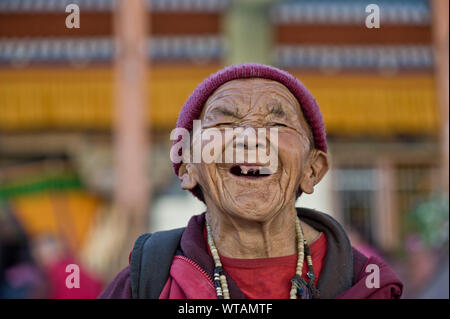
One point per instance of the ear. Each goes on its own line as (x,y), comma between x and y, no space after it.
(187,176)
(315,170)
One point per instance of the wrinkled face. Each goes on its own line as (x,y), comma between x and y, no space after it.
(246,189)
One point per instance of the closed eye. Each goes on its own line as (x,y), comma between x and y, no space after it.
(224,125)
(279,124)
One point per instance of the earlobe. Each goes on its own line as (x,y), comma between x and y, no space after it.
(307,182)
(316,169)
(187,177)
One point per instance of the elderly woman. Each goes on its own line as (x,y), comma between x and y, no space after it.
(252,242)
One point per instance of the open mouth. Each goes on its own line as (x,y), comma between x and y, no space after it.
(250,171)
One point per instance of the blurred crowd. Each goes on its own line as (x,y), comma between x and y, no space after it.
(37,267)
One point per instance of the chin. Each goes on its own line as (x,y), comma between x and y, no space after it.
(254,206)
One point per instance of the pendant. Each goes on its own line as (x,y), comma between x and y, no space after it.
(300,284)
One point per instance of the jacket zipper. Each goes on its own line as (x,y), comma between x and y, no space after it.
(200,269)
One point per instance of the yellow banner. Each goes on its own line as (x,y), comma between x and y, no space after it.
(82,99)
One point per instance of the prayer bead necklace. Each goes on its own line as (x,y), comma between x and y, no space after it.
(300,289)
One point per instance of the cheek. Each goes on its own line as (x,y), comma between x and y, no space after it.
(208,178)
(292,151)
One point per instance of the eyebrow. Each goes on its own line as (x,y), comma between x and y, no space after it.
(226,111)
(276,109)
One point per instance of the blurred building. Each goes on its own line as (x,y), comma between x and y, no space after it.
(375,87)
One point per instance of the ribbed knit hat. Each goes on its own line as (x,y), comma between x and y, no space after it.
(194,105)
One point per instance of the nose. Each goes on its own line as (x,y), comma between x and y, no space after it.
(249,139)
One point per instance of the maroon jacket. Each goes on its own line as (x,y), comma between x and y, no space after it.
(343,276)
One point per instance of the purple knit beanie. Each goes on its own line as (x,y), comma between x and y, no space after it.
(194,105)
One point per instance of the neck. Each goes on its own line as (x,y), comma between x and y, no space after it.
(237,237)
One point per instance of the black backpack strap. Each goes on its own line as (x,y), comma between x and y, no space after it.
(150,262)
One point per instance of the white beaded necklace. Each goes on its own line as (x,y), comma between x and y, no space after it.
(299,286)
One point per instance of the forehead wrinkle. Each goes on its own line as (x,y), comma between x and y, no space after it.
(284,94)
(224,102)
(226,90)
(285,97)
(241,89)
